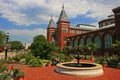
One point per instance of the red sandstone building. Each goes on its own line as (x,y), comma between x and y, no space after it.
(82,34)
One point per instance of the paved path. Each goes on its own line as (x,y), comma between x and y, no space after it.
(48,73)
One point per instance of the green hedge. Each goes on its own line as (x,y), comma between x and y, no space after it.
(35,62)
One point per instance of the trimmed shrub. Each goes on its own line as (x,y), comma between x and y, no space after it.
(35,63)
(22,61)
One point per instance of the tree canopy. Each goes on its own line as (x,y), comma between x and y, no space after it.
(91,47)
(41,47)
(16,45)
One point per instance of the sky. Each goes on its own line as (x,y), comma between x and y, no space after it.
(25,19)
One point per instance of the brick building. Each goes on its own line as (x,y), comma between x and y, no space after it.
(107,33)
(59,34)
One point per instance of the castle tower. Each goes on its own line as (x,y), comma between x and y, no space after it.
(63,26)
(50,30)
(117,22)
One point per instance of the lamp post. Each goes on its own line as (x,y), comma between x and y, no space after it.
(68,45)
(6,45)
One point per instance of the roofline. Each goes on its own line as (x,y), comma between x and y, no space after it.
(86,25)
(106,20)
(115,8)
(91,31)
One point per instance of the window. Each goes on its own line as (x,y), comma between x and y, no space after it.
(88,40)
(108,40)
(65,30)
(97,41)
(101,25)
(75,42)
(65,38)
(71,43)
(81,41)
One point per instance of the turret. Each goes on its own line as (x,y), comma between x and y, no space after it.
(63,27)
(50,30)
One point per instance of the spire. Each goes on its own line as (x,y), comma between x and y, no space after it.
(51,23)
(63,15)
(63,7)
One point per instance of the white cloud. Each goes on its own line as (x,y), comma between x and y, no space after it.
(28,12)
(26,35)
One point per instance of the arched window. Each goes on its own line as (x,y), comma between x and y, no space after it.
(70,43)
(88,40)
(81,41)
(75,42)
(108,40)
(97,41)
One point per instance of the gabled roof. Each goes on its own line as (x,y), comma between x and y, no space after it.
(51,23)
(63,15)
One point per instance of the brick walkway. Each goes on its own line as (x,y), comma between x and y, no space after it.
(48,73)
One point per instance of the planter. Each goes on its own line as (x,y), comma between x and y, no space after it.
(18,74)
(12,67)
(93,59)
(104,65)
(20,78)
(49,64)
(118,67)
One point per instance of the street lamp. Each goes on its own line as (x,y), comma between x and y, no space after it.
(6,45)
(68,44)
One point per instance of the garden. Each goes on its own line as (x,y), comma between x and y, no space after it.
(41,53)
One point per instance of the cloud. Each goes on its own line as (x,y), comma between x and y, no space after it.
(29,12)
(26,35)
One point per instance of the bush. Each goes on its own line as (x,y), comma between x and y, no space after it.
(101,61)
(118,64)
(4,73)
(45,62)
(20,74)
(22,58)
(17,72)
(17,57)
(28,57)
(113,63)
(35,62)
(22,61)
(2,61)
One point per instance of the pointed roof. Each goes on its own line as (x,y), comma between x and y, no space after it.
(51,23)
(63,15)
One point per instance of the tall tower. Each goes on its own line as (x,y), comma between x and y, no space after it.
(50,30)
(117,22)
(63,26)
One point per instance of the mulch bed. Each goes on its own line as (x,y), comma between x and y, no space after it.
(48,73)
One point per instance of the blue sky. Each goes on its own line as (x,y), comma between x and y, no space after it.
(24,19)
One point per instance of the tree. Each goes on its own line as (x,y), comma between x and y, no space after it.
(41,47)
(91,47)
(79,48)
(2,38)
(16,45)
